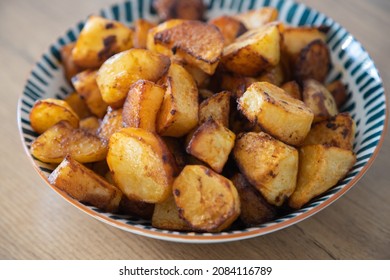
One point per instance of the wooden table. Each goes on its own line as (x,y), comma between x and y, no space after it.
(36,223)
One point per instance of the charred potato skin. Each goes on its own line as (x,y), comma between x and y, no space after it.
(170,9)
(339,92)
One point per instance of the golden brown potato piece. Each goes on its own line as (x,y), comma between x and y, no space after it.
(269,165)
(273,75)
(319,100)
(90,124)
(201,78)
(141,165)
(205,199)
(212,143)
(141,27)
(253,51)
(255,210)
(282,116)
(78,105)
(230,27)
(86,86)
(120,71)
(320,168)
(100,39)
(292,88)
(47,112)
(216,107)
(339,131)
(257,18)
(166,216)
(204,94)
(70,68)
(339,92)
(136,208)
(63,139)
(176,147)
(111,123)
(179,111)
(142,105)
(312,62)
(85,185)
(236,84)
(191,42)
(189,9)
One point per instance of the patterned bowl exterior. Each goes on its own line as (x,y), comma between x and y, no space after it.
(351,63)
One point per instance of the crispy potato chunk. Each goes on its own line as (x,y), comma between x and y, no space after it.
(255,210)
(47,112)
(141,27)
(141,165)
(274,75)
(339,131)
(312,62)
(253,51)
(192,42)
(69,66)
(230,27)
(166,216)
(319,100)
(269,165)
(292,88)
(216,107)
(63,139)
(85,185)
(86,86)
(100,39)
(282,116)
(320,168)
(236,84)
(142,105)
(90,124)
(339,92)
(111,123)
(189,9)
(78,105)
(176,147)
(257,18)
(179,111)
(136,208)
(201,78)
(212,143)
(120,71)
(205,199)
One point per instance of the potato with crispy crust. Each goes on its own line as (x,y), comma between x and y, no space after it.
(111,123)
(216,107)
(69,66)
(273,75)
(141,28)
(189,9)
(120,71)
(179,111)
(257,18)
(63,139)
(99,39)
(339,92)
(254,51)
(206,200)
(78,105)
(279,114)
(292,88)
(90,124)
(269,165)
(320,168)
(85,185)
(142,105)
(177,149)
(141,165)
(236,84)
(47,112)
(230,27)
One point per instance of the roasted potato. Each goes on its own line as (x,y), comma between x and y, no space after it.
(191,42)
(319,100)
(255,210)
(99,39)
(141,165)
(85,185)
(269,165)
(339,92)
(320,168)
(111,123)
(292,88)
(120,71)
(179,111)
(257,18)
(338,131)
(69,66)
(216,107)
(230,27)
(206,200)
(63,139)
(136,208)
(142,105)
(90,124)
(253,52)
(166,216)
(236,84)
(78,105)
(189,9)
(176,147)
(201,78)
(86,86)
(141,28)
(47,112)
(282,116)
(273,75)
(212,143)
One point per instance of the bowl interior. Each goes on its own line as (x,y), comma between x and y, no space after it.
(351,64)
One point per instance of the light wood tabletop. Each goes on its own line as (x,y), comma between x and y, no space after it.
(36,223)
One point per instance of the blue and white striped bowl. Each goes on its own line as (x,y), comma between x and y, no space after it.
(351,63)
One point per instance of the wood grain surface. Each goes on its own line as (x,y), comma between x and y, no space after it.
(36,223)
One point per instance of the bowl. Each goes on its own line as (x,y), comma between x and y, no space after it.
(351,63)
